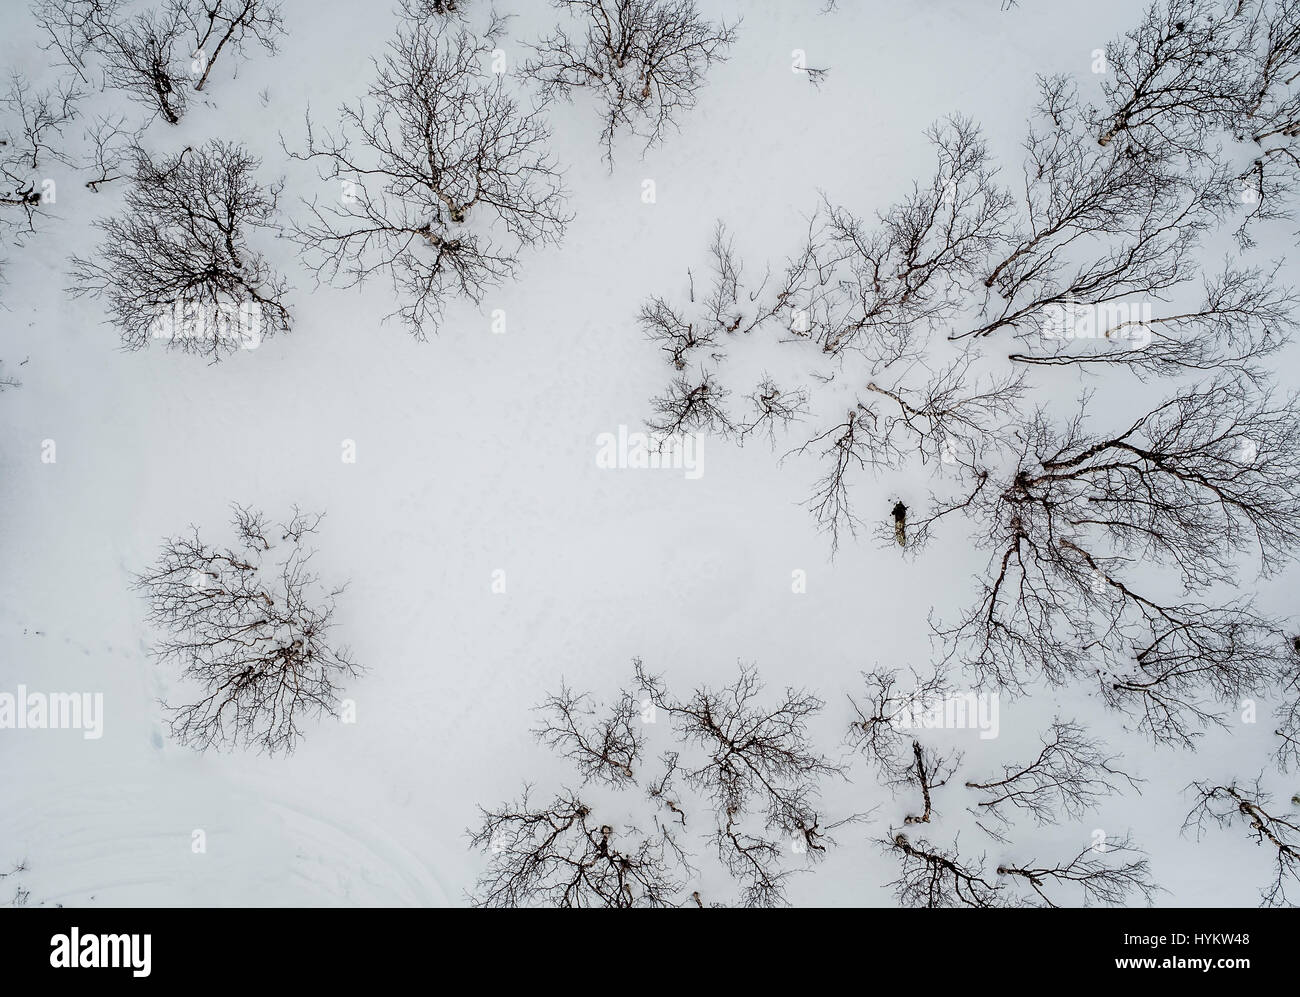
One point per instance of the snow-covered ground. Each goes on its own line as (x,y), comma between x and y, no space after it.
(476,453)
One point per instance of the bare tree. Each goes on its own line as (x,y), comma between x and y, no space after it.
(32,123)
(873,290)
(756,761)
(958,417)
(1070,775)
(691,407)
(933,877)
(1221,805)
(112,147)
(745,761)
(1092,873)
(158,56)
(677,334)
(816,75)
(1079,266)
(248,626)
(438,8)
(1185,65)
(930,877)
(858,301)
(1115,556)
(1198,482)
(21,895)
(601,748)
(1245,315)
(1191,74)
(880,730)
(773,408)
(929,771)
(558,856)
(848,445)
(883,732)
(177,263)
(1096,225)
(141,53)
(646,60)
(953,421)
(218,26)
(434,165)
(1288,727)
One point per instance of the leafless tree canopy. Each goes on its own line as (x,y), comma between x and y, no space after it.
(882,733)
(140,52)
(1226,805)
(32,127)
(1113,877)
(857,304)
(1202,479)
(1093,224)
(248,628)
(1244,316)
(1194,74)
(1288,728)
(38,149)
(20,895)
(757,768)
(603,748)
(1068,777)
(742,781)
(557,856)
(645,59)
(877,732)
(177,265)
(111,145)
(438,178)
(1064,781)
(158,56)
(220,26)
(933,877)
